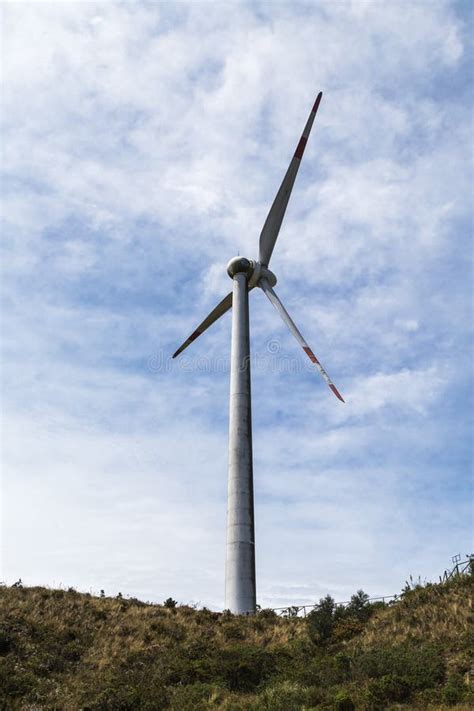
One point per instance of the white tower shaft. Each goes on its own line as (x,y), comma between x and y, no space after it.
(240,587)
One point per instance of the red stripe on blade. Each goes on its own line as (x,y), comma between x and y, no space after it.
(301,146)
(194,335)
(317,102)
(310,354)
(336,392)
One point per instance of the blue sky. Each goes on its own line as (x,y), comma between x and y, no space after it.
(143,146)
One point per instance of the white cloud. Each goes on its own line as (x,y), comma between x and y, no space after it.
(405,390)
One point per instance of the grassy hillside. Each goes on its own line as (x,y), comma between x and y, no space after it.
(64,650)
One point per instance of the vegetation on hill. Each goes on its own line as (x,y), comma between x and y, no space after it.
(64,651)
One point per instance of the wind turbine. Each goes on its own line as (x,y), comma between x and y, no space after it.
(246,274)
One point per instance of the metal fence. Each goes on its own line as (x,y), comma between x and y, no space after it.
(460,567)
(302,610)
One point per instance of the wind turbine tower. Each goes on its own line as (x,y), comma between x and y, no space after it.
(246,274)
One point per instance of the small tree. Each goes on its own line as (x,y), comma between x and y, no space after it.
(169,602)
(343,702)
(321,619)
(359,606)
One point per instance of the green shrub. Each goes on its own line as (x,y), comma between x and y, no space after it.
(233,631)
(244,668)
(320,620)
(421,666)
(267,614)
(131,690)
(135,602)
(328,620)
(359,607)
(386,689)
(343,663)
(6,642)
(346,628)
(100,614)
(170,603)
(15,681)
(343,702)
(454,690)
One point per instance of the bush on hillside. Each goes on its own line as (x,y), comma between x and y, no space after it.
(420,666)
(343,702)
(244,668)
(170,603)
(328,620)
(384,690)
(358,607)
(320,620)
(454,690)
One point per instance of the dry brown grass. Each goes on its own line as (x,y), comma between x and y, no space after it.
(70,647)
(432,613)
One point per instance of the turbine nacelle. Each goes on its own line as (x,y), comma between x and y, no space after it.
(240,265)
(254,271)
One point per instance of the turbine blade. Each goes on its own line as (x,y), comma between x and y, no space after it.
(272,225)
(219,311)
(267,289)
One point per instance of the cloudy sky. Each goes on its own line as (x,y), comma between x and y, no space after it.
(143,145)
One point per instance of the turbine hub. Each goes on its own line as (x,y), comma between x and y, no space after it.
(260,271)
(239,265)
(265,273)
